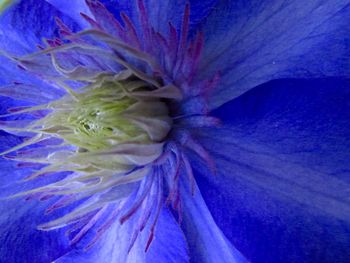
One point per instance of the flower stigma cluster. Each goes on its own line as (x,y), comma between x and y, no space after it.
(112,128)
(106,114)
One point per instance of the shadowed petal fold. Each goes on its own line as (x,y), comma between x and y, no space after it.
(282,189)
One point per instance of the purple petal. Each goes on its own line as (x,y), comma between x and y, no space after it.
(251,42)
(281,193)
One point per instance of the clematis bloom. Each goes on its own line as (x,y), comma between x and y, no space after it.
(115,126)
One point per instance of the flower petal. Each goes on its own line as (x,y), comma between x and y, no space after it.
(251,42)
(207,242)
(110,248)
(19,238)
(72,9)
(281,193)
(26,23)
(161,13)
(21,241)
(22,28)
(169,244)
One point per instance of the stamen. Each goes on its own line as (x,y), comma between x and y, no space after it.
(129,27)
(30,141)
(159,208)
(109,222)
(89,225)
(144,23)
(143,191)
(189,172)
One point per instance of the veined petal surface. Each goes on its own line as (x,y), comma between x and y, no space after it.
(251,42)
(282,189)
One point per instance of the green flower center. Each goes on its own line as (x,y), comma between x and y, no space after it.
(107,113)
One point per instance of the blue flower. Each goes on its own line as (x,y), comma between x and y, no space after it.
(145,131)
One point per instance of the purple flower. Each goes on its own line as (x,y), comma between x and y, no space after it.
(146,131)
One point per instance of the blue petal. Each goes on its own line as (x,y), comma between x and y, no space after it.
(251,42)
(19,238)
(281,193)
(207,242)
(25,24)
(169,244)
(72,9)
(113,245)
(161,13)
(22,28)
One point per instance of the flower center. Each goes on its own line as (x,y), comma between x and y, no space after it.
(112,127)
(107,113)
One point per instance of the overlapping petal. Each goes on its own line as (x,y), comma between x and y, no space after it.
(206,241)
(251,42)
(281,193)
(112,246)
(167,232)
